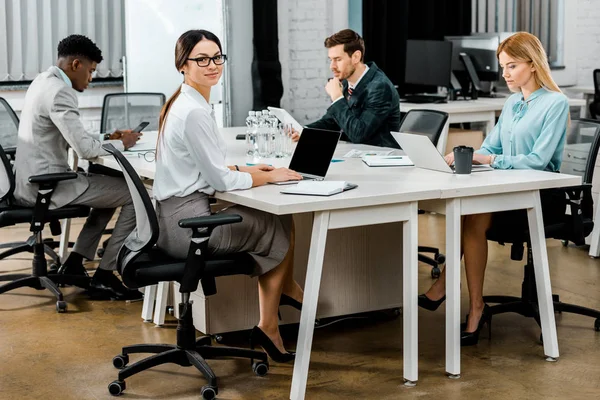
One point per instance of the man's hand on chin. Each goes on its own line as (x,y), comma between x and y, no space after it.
(334,88)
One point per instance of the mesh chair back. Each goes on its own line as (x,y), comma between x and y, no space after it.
(429,123)
(583,137)
(145,234)
(9,125)
(127,110)
(7,178)
(597,85)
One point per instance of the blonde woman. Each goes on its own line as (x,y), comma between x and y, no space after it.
(530,134)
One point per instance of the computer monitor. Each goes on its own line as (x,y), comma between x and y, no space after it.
(481,48)
(428,62)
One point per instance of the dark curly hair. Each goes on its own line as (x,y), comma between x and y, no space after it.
(80,46)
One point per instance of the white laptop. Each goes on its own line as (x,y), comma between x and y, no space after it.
(423,153)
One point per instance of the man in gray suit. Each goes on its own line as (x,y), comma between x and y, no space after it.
(50,123)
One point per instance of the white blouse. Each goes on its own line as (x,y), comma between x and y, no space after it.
(191,151)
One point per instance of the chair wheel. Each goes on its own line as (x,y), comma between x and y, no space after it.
(597,325)
(440,259)
(209,392)
(61,306)
(100,252)
(565,243)
(53,268)
(260,368)
(121,361)
(116,388)
(218,338)
(435,272)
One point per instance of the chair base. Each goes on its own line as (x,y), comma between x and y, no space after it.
(49,282)
(188,351)
(435,262)
(527,304)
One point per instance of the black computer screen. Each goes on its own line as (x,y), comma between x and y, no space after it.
(314,151)
(428,62)
(481,50)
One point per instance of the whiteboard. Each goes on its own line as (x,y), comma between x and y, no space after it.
(152,28)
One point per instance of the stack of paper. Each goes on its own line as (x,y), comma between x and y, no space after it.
(387,161)
(354,153)
(319,188)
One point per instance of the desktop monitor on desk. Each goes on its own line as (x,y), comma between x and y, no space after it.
(480,50)
(427,64)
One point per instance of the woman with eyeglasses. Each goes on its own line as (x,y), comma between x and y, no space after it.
(190,167)
(530,134)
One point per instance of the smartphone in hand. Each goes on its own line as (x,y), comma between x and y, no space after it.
(140,127)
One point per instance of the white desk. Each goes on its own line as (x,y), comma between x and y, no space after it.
(391,194)
(481,110)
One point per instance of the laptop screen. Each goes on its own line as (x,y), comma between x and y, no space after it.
(314,151)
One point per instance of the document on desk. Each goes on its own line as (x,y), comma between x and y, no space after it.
(361,153)
(284,117)
(319,188)
(387,161)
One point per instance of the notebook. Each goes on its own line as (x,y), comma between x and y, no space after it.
(387,161)
(319,188)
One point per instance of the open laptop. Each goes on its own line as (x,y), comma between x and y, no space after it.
(423,153)
(313,154)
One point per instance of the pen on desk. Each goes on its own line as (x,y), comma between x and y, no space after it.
(253,165)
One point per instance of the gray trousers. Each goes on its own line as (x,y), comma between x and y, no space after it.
(104,195)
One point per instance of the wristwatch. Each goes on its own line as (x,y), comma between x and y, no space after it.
(107,136)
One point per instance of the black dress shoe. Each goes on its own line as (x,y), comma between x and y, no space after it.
(259,338)
(105,286)
(73,269)
(472,338)
(428,304)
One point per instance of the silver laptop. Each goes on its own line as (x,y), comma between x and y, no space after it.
(313,154)
(423,153)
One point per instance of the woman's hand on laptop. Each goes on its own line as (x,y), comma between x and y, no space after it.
(257,168)
(260,178)
(479,159)
(449,158)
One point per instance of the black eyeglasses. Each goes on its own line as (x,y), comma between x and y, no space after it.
(205,61)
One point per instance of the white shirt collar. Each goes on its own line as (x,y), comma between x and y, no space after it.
(65,77)
(356,83)
(196,96)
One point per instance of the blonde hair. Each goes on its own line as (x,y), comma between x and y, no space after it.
(525,47)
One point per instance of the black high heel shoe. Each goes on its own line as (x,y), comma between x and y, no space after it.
(472,338)
(259,338)
(428,304)
(286,300)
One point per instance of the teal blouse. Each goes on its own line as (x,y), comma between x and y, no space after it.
(529,134)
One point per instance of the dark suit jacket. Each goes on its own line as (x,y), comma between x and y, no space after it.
(370,114)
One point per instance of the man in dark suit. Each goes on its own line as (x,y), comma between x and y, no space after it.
(365,104)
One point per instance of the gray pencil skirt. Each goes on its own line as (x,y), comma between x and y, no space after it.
(266,237)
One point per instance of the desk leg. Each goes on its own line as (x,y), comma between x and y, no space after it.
(453,231)
(489,125)
(542,278)
(309,304)
(595,241)
(410,282)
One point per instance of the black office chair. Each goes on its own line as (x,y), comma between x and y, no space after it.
(573,226)
(428,123)
(37,217)
(9,132)
(126,111)
(141,264)
(595,104)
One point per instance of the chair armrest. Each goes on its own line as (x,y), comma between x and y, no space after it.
(52,178)
(210,221)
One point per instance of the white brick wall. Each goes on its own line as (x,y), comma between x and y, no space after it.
(588,40)
(303,57)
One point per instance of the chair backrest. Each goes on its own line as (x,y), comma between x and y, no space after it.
(146,232)
(7,179)
(127,110)
(582,142)
(597,85)
(9,125)
(429,123)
